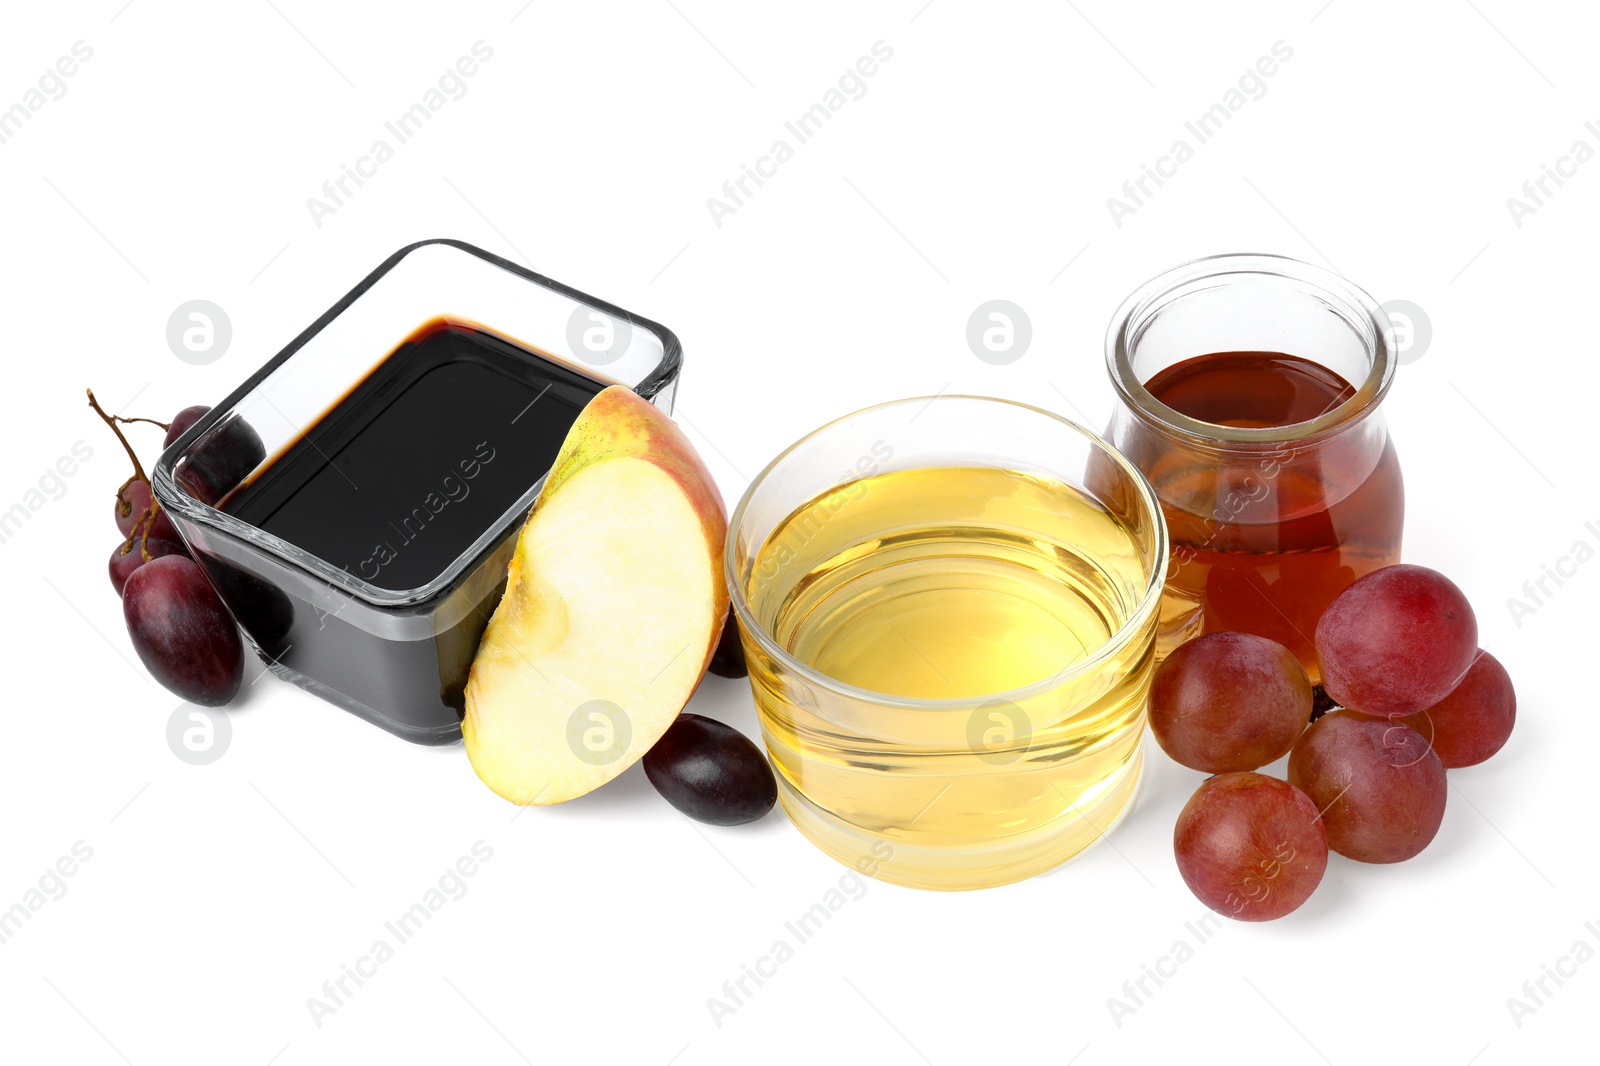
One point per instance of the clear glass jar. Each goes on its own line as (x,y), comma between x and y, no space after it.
(1277,477)
(398,656)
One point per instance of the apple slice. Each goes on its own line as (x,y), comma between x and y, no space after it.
(612,609)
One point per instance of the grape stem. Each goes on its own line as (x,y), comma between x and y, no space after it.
(147,519)
(111,420)
(124,508)
(130,421)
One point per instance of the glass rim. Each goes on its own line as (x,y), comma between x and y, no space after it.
(1138,617)
(1119,344)
(164,484)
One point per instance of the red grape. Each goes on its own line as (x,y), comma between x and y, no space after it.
(183,634)
(127,557)
(1380,788)
(711,772)
(728,658)
(1250,846)
(1229,701)
(182,421)
(1396,641)
(1474,721)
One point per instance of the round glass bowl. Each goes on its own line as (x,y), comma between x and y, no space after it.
(948,606)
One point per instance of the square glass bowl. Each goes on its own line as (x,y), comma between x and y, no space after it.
(397,657)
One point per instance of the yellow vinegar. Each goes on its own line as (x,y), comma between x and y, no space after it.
(943,602)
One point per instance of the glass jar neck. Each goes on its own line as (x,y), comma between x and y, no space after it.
(1251,303)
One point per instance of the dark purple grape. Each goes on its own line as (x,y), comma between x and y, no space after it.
(728,658)
(183,634)
(711,772)
(1380,787)
(127,557)
(131,505)
(1227,702)
(137,495)
(220,460)
(261,609)
(164,529)
(1250,846)
(182,421)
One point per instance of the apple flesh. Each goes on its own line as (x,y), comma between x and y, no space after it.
(613,606)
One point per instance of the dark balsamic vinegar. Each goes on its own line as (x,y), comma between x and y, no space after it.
(394,484)
(422,456)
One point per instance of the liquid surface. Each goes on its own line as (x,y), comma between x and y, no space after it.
(1250,390)
(1262,541)
(899,599)
(952,584)
(421,457)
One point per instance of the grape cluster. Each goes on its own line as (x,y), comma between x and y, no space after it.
(179,627)
(1406,694)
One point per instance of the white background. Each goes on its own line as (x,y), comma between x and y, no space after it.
(977,166)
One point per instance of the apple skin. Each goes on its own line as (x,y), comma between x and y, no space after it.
(536,661)
(618,421)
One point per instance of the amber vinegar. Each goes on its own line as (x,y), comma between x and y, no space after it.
(1265,546)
